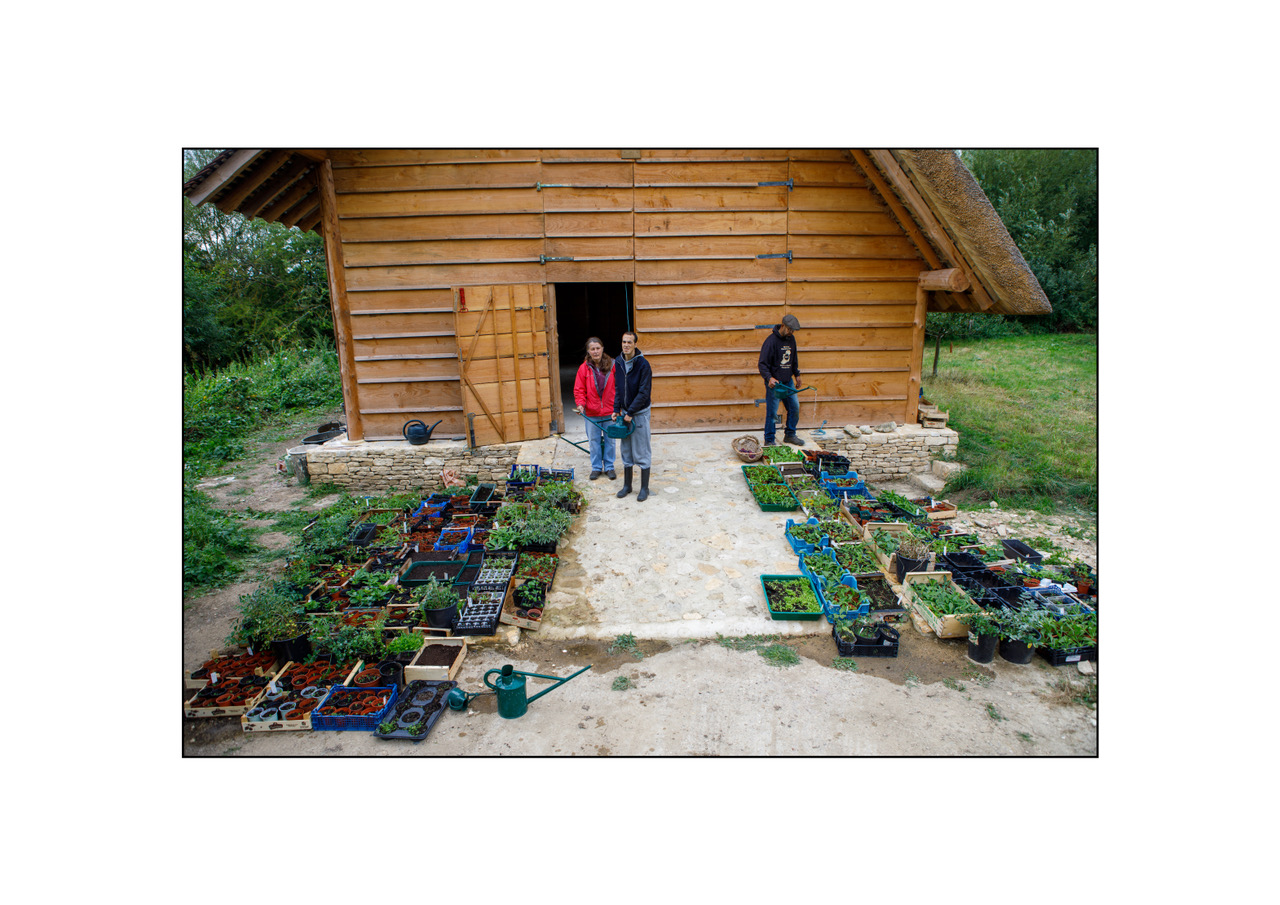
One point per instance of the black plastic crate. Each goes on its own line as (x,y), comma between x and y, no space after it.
(888,647)
(481,615)
(363,535)
(960,562)
(1068,655)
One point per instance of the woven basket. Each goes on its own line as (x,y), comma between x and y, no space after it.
(748,449)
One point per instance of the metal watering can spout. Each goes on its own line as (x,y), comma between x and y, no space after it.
(510,689)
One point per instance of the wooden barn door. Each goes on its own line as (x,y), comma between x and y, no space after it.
(502,362)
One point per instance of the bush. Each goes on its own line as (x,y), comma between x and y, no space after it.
(212,540)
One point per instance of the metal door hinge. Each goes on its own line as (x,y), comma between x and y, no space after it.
(552,185)
(789,184)
(545,258)
(787,256)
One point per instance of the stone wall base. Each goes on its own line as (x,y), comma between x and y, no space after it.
(396,465)
(889,452)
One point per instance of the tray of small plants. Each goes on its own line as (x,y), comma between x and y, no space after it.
(774,455)
(791,597)
(822,567)
(417,710)
(856,558)
(481,614)
(769,488)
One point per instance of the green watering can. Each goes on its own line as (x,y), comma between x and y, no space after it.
(513,702)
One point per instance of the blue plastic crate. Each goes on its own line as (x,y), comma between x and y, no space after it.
(511,477)
(322,723)
(800,546)
(432,504)
(824,553)
(829,609)
(828,482)
(456,546)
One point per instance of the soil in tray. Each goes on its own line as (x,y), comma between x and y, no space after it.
(438,655)
(882,597)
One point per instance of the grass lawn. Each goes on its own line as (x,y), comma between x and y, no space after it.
(1026,409)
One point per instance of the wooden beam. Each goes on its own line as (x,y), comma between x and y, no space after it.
(264,168)
(228,170)
(553,358)
(950,280)
(911,411)
(312,153)
(338,301)
(900,213)
(900,181)
(310,221)
(300,211)
(300,190)
(281,180)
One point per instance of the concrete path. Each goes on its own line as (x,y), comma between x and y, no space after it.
(686,563)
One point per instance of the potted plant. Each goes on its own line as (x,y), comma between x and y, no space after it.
(403,646)
(984,633)
(437,603)
(1019,633)
(912,556)
(531,594)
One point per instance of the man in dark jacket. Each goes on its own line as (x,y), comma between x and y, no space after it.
(779,365)
(631,383)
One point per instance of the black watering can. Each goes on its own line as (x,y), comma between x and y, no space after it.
(418,433)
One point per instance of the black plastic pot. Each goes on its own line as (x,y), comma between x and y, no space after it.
(904,564)
(391,673)
(441,618)
(322,437)
(982,648)
(295,649)
(1019,652)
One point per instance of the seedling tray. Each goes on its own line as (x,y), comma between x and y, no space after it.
(1018,550)
(945,626)
(777,507)
(792,617)
(236,663)
(830,608)
(546,475)
(886,648)
(324,722)
(481,615)
(417,573)
(428,698)
(203,703)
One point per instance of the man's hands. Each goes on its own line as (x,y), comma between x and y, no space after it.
(773,382)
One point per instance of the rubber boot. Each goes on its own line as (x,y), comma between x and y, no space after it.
(644,486)
(626,481)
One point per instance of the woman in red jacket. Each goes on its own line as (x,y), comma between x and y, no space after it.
(593,392)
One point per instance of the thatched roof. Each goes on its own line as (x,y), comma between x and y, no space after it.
(930,192)
(972,235)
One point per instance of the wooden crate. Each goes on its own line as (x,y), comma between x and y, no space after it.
(304,724)
(415,671)
(945,626)
(886,562)
(236,650)
(192,710)
(942,509)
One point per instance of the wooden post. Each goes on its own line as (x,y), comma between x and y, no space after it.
(338,300)
(912,413)
(553,355)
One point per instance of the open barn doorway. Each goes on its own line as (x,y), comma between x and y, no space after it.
(584,310)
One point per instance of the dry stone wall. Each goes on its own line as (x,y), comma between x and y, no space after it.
(395,465)
(888,452)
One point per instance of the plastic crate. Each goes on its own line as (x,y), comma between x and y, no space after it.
(797,545)
(481,614)
(333,723)
(886,648)
(777,507)
(449,539)
(773,614)
(837,485)
(554,474)
(824,553)
(749,470)
(961,562)
(363,535)
(1068,655)
(830,609)
(512,482)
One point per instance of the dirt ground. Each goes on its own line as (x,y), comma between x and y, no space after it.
(694,696)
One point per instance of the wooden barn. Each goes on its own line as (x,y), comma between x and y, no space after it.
(464,283)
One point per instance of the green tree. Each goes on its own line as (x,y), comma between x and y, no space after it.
(249,286)
(1048,200)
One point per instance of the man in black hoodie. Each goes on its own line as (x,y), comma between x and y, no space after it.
(632,381)
(779,364)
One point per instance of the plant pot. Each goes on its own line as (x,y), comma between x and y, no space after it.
(904,564)
(982,648)
(367,678)
(1019,652)
(441,618)
(391,673)
(295,649)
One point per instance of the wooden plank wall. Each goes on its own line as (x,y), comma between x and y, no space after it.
(687,227)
